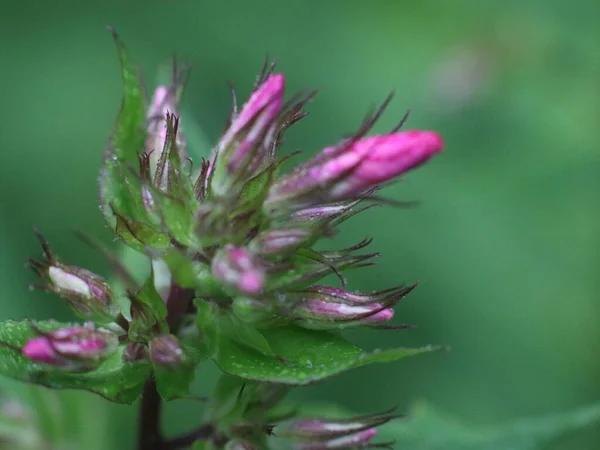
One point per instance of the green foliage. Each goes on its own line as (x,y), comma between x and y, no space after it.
(175,382)
(148,312)
(117,188)
(501,131)
(285,354)
(427,429)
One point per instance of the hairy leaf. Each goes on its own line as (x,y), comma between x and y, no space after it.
(118,187)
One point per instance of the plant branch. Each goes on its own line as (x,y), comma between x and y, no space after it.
(178,303)
(202,433)
(149,435)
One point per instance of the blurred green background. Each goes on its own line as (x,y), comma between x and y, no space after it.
(504,240)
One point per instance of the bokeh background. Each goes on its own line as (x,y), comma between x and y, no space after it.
(504,240)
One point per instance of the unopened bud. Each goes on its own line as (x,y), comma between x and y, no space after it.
(334,294)
(166,351)
(87,293)
(164,102)
(323,315)
(324,434)
(79,348)
(134,352)
(239,268)
(280,241)
(239,445)
(244,146)
(347,170)
(324,307)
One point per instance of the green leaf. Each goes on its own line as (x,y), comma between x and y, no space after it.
(427,429)
(117,188)
(217,324)
(148,296)
(192,274)
(244,334)
(226,397)
(302,356)
(114,379)
(173,383)
(140,235)
(147,310)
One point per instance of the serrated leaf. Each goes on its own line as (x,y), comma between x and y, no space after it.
(127,140)
(302,356)
(427,429)
(114,379)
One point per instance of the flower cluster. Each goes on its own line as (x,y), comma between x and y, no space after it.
(231,243)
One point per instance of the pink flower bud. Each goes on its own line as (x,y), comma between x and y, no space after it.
(244,146)
(77,347)
(262,107)
(239,445)
(239,268)
(347,170)
(166,351)
(164,101)
(346,442)
(323,434)
(324,307)
(323,315)
(385,157)
(278,241)
(333,294)
(87,293)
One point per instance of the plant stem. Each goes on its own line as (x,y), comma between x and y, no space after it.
(203,432)
(177,305)
(149,432)
(149,435)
